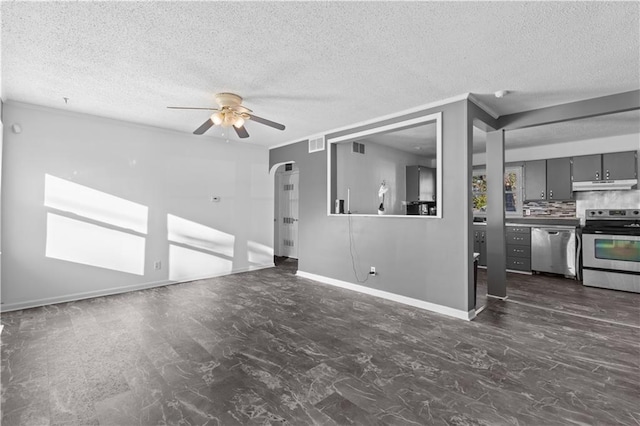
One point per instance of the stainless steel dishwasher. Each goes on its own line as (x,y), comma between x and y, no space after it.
(553,249)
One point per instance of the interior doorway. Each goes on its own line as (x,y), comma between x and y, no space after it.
(286,203)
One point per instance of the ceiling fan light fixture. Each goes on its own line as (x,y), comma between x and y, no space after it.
(239,122)
(228,120)
(217,118)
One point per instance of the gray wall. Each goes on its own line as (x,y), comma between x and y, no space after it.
(363,174)
(427,259)
(173,175)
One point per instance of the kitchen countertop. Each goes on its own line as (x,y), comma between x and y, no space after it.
(539,221)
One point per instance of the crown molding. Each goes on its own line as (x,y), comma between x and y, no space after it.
(483,106)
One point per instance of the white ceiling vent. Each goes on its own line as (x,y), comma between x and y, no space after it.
(316,144)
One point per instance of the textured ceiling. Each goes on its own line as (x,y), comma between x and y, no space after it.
(314,66)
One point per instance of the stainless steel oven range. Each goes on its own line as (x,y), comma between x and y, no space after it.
(611,249)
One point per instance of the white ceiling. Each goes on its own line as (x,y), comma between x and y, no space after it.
(314,66)
(418,140)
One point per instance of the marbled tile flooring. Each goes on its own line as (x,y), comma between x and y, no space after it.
(556,293)
(267,347)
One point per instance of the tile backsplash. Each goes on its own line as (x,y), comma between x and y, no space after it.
(584,200)
(550,208)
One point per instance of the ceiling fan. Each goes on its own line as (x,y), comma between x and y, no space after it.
(231,113)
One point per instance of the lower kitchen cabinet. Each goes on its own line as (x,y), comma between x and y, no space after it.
(480,243)
(518,248)
(518,244)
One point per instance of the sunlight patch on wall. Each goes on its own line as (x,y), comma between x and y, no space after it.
(197,251)
(71,197)
(187,263)
(193,234)
(88,244)
(259,253)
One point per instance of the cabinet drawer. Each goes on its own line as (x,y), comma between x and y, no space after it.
(519,251)
(518,264)
(518,239)
(518,229)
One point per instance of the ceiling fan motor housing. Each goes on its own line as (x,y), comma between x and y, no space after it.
(228,100)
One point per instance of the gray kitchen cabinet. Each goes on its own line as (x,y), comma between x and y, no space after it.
(518,248)
(535,180)
(548,180)
(620,165)
(421,183)
(611,166)
(480,243)
(559,179)
(587,168)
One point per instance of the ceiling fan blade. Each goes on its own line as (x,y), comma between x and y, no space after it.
(205,126)
(266,122)
(241,131)
(210,109)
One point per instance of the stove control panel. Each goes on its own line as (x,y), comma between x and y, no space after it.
(613,214)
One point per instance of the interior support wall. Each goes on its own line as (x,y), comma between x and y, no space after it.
(425,259)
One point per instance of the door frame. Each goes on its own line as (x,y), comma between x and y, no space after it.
(276,205)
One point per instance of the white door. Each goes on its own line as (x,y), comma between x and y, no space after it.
(287,214)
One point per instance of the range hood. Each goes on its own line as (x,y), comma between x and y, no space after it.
(605,185)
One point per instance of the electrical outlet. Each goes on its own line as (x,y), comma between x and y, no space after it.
(373,271)
(157,265)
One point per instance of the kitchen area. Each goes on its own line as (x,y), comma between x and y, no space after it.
(576,217)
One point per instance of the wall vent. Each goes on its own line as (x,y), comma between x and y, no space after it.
(358,148)
(288,187)
(316,144)
(288,243)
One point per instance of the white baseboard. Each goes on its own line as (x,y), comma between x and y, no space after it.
(114,290)
(235,271)
(433,307)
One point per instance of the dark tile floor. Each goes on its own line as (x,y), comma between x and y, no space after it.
(267,347)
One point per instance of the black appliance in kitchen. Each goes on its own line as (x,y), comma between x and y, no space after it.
(421,208)
(611,249)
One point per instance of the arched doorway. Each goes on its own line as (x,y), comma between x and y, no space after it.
(286,200)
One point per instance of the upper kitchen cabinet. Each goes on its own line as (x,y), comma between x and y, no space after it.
(559,179)
(616,170)
(535,180)
(587,168)
(612,166)
(620,165)
(548,180)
